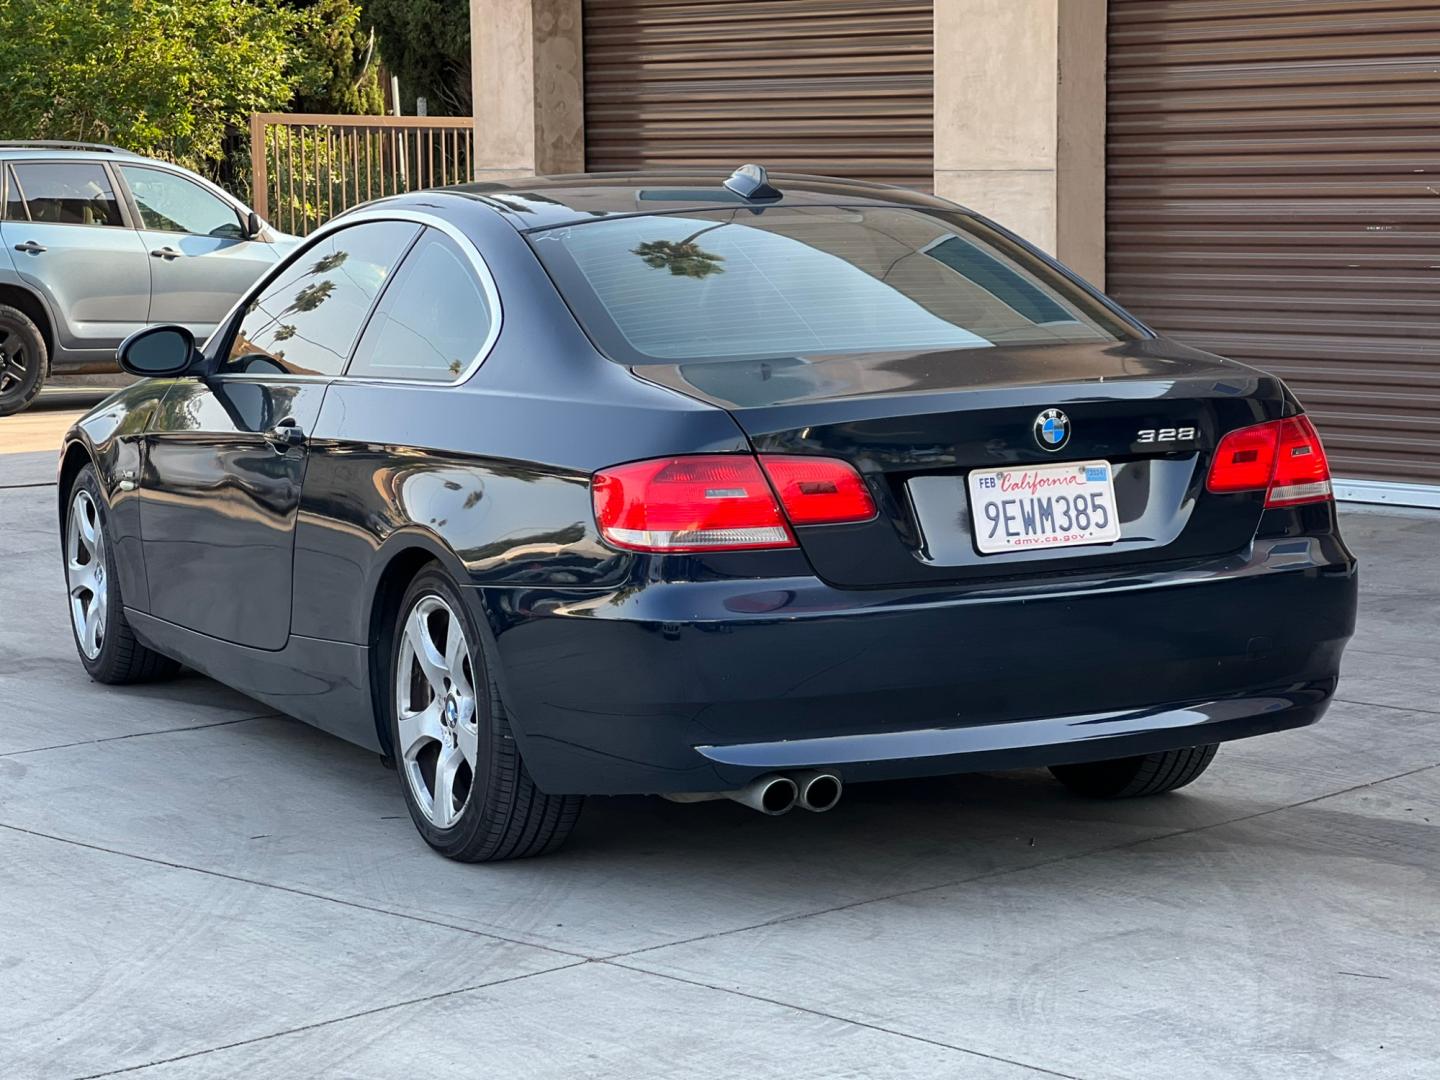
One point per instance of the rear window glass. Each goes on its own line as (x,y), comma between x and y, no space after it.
(801,281)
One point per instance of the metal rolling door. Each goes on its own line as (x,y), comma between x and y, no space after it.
(817,86)
(1273,194)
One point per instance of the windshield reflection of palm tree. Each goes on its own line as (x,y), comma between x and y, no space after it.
(683,258)
(309,298)
(333,261)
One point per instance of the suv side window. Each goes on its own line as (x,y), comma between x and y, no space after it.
(68,193)
(432,322)
(14,208)
(170,203)
(304,321)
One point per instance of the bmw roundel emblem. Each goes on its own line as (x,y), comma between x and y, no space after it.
(1052,429)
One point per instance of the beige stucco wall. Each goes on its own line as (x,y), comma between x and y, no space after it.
(526,61)
(1020,119)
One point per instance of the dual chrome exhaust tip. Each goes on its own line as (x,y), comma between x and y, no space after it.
(778,793)
(818,791)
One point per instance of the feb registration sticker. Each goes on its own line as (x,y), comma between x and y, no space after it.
(1043,506)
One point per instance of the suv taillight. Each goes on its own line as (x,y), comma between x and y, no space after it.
(724,502)
(1282,458)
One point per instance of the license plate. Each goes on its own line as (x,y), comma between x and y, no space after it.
(1043,506)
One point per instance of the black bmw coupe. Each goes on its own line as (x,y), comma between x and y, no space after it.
(743,487)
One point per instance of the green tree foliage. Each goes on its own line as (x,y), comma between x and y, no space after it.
(426,43)
(335,69)
(163,77)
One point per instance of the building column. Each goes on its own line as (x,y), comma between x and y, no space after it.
(527,80)
(1020,120)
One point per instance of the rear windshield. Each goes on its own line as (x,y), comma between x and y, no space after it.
(750,283)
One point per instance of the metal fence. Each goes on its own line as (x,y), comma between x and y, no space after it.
(306,168)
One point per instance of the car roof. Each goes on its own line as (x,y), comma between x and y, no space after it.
(63,151)
(544,202)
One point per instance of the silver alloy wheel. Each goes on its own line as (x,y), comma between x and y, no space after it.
(85,573)
(435,707)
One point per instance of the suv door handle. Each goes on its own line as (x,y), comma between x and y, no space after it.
(166,252)
(285,434)
(30,247)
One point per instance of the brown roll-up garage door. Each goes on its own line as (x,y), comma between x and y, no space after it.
(818,86)
(1274,195)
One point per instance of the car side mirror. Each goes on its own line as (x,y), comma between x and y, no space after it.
(158,351)
(254,226)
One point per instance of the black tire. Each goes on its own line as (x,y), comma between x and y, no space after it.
(1128,778)
(23,360)
(120,658)
(503,815)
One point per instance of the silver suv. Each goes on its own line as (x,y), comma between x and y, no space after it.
(98,242)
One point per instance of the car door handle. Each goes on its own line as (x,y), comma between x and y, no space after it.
(285,434)
(30,247)
(167,252)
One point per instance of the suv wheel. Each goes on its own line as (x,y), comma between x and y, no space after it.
(466,787)
(22,360)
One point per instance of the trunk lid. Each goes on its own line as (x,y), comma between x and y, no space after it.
(916,423)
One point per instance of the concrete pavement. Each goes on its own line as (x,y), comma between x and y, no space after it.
(43,425)
(191,886)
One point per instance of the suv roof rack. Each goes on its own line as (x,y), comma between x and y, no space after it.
(62,144)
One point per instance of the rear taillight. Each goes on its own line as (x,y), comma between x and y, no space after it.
(1301,472)
(723,502)
(1245,459)
(1282,458)
(818,491)
(714,502)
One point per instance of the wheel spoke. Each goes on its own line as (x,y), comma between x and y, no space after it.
(456,654)
(431,662)
(90,631)
(100,611)
(418,729)
(467,735)
(447,765)
(81,577)
(88,534)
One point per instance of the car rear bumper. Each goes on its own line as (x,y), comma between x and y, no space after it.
(703,686)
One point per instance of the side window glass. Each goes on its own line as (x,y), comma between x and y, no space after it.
(432,323)
(14,205)
(170,203)
(68,193)
(305,320)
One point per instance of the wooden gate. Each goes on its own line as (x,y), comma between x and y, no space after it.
(306,168)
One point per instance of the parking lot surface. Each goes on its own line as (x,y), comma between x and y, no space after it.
(192,886)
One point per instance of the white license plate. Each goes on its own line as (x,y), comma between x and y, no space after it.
(1043,506)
